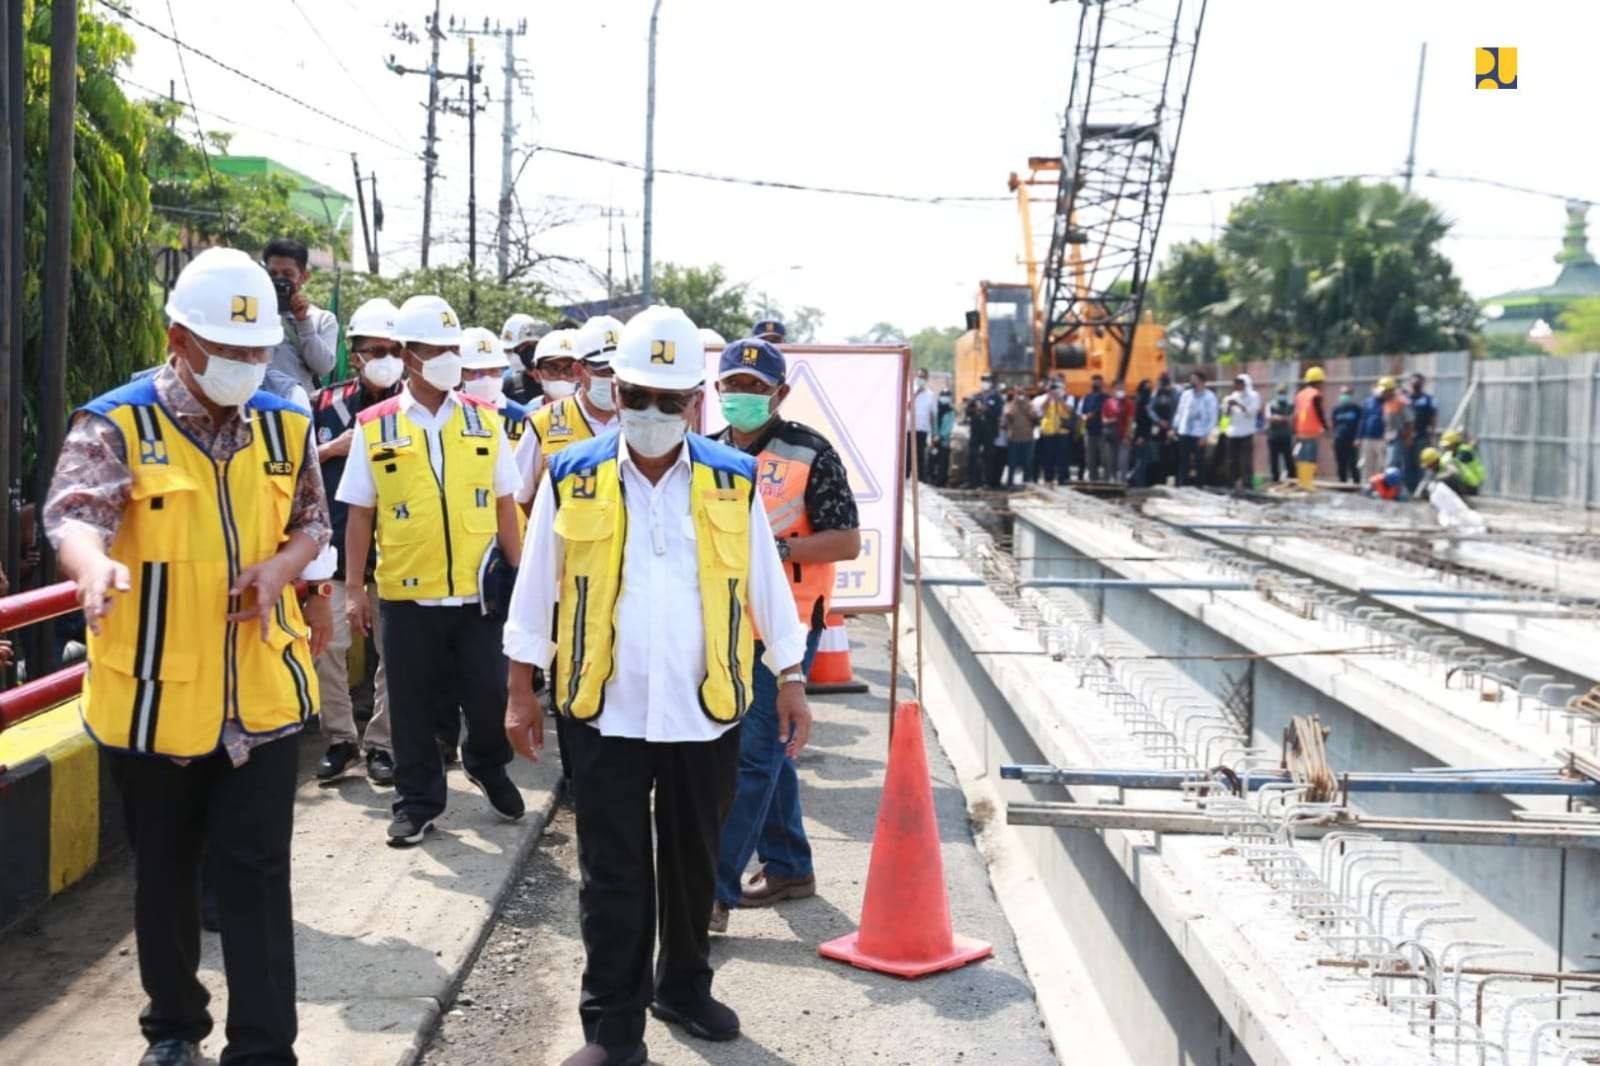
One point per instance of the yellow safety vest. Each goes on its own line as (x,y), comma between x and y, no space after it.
(591,521)
(167,668)
(432,538)
(558,425)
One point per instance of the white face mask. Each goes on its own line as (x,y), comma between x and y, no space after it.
(600,393)
(228,382)
(650,433)
(383,371)
(489,389)
(560,390)
(443,371)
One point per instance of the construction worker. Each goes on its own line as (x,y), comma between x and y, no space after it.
(184,505)
(1389,485)
(483,367)
(651,551)
(1369,435)
(1280,435)
(1424,415)
(583,358)
(771,330)
(1309,425)
(1055,411)
(1346,422)
(710,338)
(520,337)
(374,356)
(1461,469)
(432,466)
(1463,455)
(813,513)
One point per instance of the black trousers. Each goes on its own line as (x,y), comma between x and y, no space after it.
(241,819)
(1191,464)
(1241,461)
(441,658)
(1344,454)
(624,896)
(922,457)
(1280,454)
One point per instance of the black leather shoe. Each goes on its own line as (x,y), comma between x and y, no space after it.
(339,755)
(380,767)
(502,794)
(708,1021)
(171,1053)
(600,1055)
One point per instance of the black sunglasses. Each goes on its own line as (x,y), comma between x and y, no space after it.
(668,403)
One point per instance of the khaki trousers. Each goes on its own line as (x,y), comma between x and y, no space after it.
(333,676)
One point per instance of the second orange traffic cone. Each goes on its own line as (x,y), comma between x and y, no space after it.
(830,670)
(905,917)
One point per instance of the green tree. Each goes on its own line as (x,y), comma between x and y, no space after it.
(496,302)
(1580,327)
(1504,346)
(803,324)
(703,293)
(934,347)
(115,324)
(880,333)
(1327,269)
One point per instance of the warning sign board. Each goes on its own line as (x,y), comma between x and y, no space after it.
(855,397)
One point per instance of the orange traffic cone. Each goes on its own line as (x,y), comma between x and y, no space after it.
(905,918)
(830,670)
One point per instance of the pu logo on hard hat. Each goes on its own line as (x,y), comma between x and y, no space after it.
(484,345)
(566,344)
(611,337)
(245,309)
(751,355)
(664,352)
(447,319)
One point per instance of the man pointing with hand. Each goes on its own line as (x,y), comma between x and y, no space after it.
(184,505)
(651,550)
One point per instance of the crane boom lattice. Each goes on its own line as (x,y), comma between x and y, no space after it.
(1132,66)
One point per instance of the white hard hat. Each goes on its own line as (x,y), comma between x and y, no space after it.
(375,318)
(557,344)
(225,296)
(661,351)
(598,339)
(712,339)
(427,320)
(520,329)
(481,350)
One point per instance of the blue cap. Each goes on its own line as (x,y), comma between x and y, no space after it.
(1391,476)
(754,356)
(769,325)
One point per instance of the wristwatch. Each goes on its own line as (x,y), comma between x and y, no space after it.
(319,588)
(783,548)
(791,677)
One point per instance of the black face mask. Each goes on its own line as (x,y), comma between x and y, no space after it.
(527,360)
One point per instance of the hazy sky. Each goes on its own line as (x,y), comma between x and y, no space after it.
(939,97)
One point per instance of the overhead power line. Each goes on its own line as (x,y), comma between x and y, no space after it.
(251,78)
(338,62)
(205,152)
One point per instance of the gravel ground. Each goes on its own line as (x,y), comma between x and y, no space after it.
(519,1002)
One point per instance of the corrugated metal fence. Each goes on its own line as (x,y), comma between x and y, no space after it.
(1536,418)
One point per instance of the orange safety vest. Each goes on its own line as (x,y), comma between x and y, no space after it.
(1307,422)
(783,469)
(1382,489)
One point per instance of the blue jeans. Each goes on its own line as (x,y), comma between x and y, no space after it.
(765,817)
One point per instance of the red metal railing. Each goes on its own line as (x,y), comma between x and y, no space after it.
(26,609)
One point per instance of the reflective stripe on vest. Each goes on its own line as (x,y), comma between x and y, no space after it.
(591,519)
(431,537)
(167,668)
(783,470)
(1307,423)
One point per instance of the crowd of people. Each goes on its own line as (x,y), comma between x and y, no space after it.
(522,519)
(1203,433)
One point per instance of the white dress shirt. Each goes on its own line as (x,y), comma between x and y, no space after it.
(924,403)
(358,489)
(660,650)
(530,451)
(1197,413)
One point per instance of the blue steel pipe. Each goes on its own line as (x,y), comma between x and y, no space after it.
(1515,782)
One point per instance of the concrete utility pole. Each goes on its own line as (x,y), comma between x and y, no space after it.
(430,157)
(367,244)
(57,280)
(508,130)
(649,158)
(11,91)
(1416,115)
(470,109)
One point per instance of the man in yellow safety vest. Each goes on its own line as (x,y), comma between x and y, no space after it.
(190,501)
(652,553)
